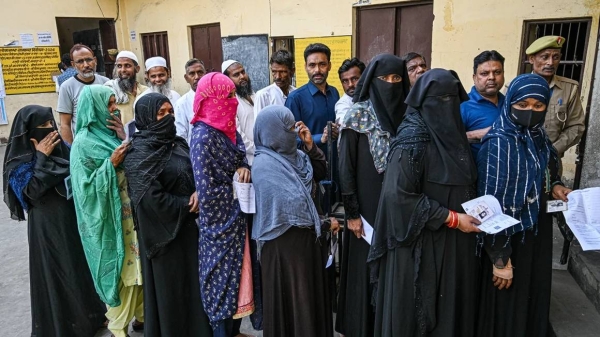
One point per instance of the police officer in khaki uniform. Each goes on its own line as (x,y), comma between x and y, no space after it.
(565,120)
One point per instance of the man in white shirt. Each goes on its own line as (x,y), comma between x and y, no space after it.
(83,59)
(245,110)
(282,70)
(349,72)
(125,85)
(184,107)
(158,78)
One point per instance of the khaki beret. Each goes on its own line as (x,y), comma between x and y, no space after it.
(545,42)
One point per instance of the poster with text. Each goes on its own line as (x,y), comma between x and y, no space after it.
(341,49)
(29,70)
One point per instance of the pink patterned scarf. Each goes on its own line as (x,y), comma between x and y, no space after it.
(213,106)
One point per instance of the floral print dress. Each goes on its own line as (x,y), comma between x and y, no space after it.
(222,225)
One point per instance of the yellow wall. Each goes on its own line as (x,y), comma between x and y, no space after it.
(462,30)
(237,17)
(34,16)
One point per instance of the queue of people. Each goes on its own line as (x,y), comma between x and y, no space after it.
(144,225)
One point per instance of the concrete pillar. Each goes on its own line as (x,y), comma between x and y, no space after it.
(590,174)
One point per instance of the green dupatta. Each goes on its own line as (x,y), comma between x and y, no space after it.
(96,192)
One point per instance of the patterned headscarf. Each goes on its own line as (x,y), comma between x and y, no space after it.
(513,159)
(213,106)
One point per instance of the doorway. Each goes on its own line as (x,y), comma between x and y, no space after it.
(207,46)
(97,33)
(396,28)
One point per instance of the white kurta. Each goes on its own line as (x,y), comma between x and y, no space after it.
(245,125)
(270,95)
(184,113)
(341,107)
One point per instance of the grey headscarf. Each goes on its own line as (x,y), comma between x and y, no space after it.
(282,177)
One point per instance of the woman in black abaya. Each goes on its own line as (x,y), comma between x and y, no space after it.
(423,250)
(36,163)
(364,145)
(161,187)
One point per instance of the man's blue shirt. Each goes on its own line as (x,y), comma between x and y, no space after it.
(479,113)
(70,72)
(315,109)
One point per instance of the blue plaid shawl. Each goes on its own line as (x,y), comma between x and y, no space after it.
(513,159)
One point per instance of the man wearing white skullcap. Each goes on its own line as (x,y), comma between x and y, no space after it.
(158,78)
(245,110)
(125,85)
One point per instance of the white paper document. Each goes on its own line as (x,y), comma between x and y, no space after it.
(487,209)
(583,217)
(27,40)
(44,38)
(368,229)
(244,192)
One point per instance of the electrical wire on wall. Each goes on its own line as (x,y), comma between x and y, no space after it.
(118,10)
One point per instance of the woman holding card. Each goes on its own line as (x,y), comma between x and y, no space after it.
(518,165)
(423,250)
(217,153)
(36,164)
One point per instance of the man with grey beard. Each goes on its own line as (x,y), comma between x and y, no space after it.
(158,79)
(125,85)
(83,59)
(245,110)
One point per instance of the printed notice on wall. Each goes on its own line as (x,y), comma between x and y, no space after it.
(27,40)
(132,35)
(29,70)
(341,49)
(44,38)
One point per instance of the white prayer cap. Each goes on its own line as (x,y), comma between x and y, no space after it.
(227,64)
(127,54)
(155,62)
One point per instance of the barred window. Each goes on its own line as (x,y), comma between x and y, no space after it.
(575,31)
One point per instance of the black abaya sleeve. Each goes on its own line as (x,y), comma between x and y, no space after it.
(348,156)
(48,172)
(318,162)
(160,216)
(404,211)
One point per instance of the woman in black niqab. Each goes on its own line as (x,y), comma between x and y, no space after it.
(164,203)
(63,299)
(387,98)
(426,271)
(367,130)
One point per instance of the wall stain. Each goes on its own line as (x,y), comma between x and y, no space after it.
(448,9)
(592,5)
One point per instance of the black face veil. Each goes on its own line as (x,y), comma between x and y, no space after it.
(387,98)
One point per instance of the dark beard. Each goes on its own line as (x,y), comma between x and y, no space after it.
(127,84)
(244,91)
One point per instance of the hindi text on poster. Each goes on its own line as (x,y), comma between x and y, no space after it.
(29,70)
(341,49)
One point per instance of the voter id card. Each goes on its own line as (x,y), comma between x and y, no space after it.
(556,206)
(69,188)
